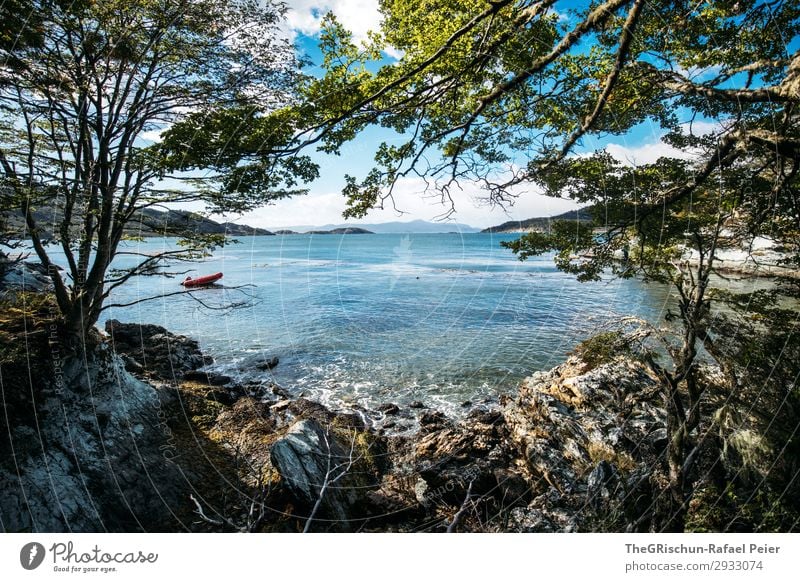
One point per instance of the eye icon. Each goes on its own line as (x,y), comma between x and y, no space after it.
(31,555)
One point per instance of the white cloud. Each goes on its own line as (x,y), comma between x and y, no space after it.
(699,128)
(646,154)
(412,202)
(153,135)
(358,16)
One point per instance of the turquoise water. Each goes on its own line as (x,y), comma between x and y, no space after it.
(441,318)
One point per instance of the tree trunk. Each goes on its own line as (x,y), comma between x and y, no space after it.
(675,509)
(78,322)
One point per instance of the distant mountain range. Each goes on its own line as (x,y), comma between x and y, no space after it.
(539,223)
(147,223)
(410,227)
(151,222)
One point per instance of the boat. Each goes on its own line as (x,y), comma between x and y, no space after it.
(201,281)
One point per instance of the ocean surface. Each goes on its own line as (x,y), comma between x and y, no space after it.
(365,319)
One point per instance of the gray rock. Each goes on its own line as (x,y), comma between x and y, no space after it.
(158,352)
(315,463)
(22,276)
(602,483)
(583,434)
(389,409)
(259,362)
(92,456)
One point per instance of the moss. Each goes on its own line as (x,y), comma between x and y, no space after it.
(25,321)
(602,452)
(602,348)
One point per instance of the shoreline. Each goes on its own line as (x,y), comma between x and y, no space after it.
(136,429)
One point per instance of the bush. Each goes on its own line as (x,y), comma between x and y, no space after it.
(602,348)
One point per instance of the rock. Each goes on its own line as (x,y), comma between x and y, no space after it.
(602,483)
(432,420)
(514,488)
(91,464)
(23,276)
(580,435)
(417,404)
(305,408)
(210,378)
(281,405)
(259,362)
(279,392)
(351,420)
(161,354)
(450,458)
(485,416)
(658,439)
(316,463)
(389,409)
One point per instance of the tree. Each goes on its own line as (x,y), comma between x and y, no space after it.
(503,92)
(94,80)
(679,248)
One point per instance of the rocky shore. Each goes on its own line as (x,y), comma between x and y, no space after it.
(139,437)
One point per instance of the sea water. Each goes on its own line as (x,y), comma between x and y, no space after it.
(440,318)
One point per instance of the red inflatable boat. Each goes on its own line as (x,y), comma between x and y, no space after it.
(200,281)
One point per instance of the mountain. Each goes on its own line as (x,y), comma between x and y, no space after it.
(147,223)
(410,227)
(346,230)
(540,223)
(156,222)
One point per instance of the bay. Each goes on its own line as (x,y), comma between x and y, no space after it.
(441,318)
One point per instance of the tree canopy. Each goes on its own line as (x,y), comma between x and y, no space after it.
(87,88)
(500,92)
(516,94)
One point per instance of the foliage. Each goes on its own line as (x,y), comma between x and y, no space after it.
(602,348)
(503,93)
(86,94)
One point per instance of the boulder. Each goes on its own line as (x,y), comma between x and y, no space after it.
(584,439)
(160,353)
(92,454)
(318,467)
(258,362)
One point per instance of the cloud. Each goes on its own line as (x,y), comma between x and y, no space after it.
(358,16)
(412,203)
(646,153)
(153,135)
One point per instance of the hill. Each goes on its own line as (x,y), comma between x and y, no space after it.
(397,227)
(148,223)
(345,230)
(153,222)
(539,223)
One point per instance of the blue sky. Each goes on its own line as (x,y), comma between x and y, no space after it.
(324,204)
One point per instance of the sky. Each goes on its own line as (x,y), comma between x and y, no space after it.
(324,203)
